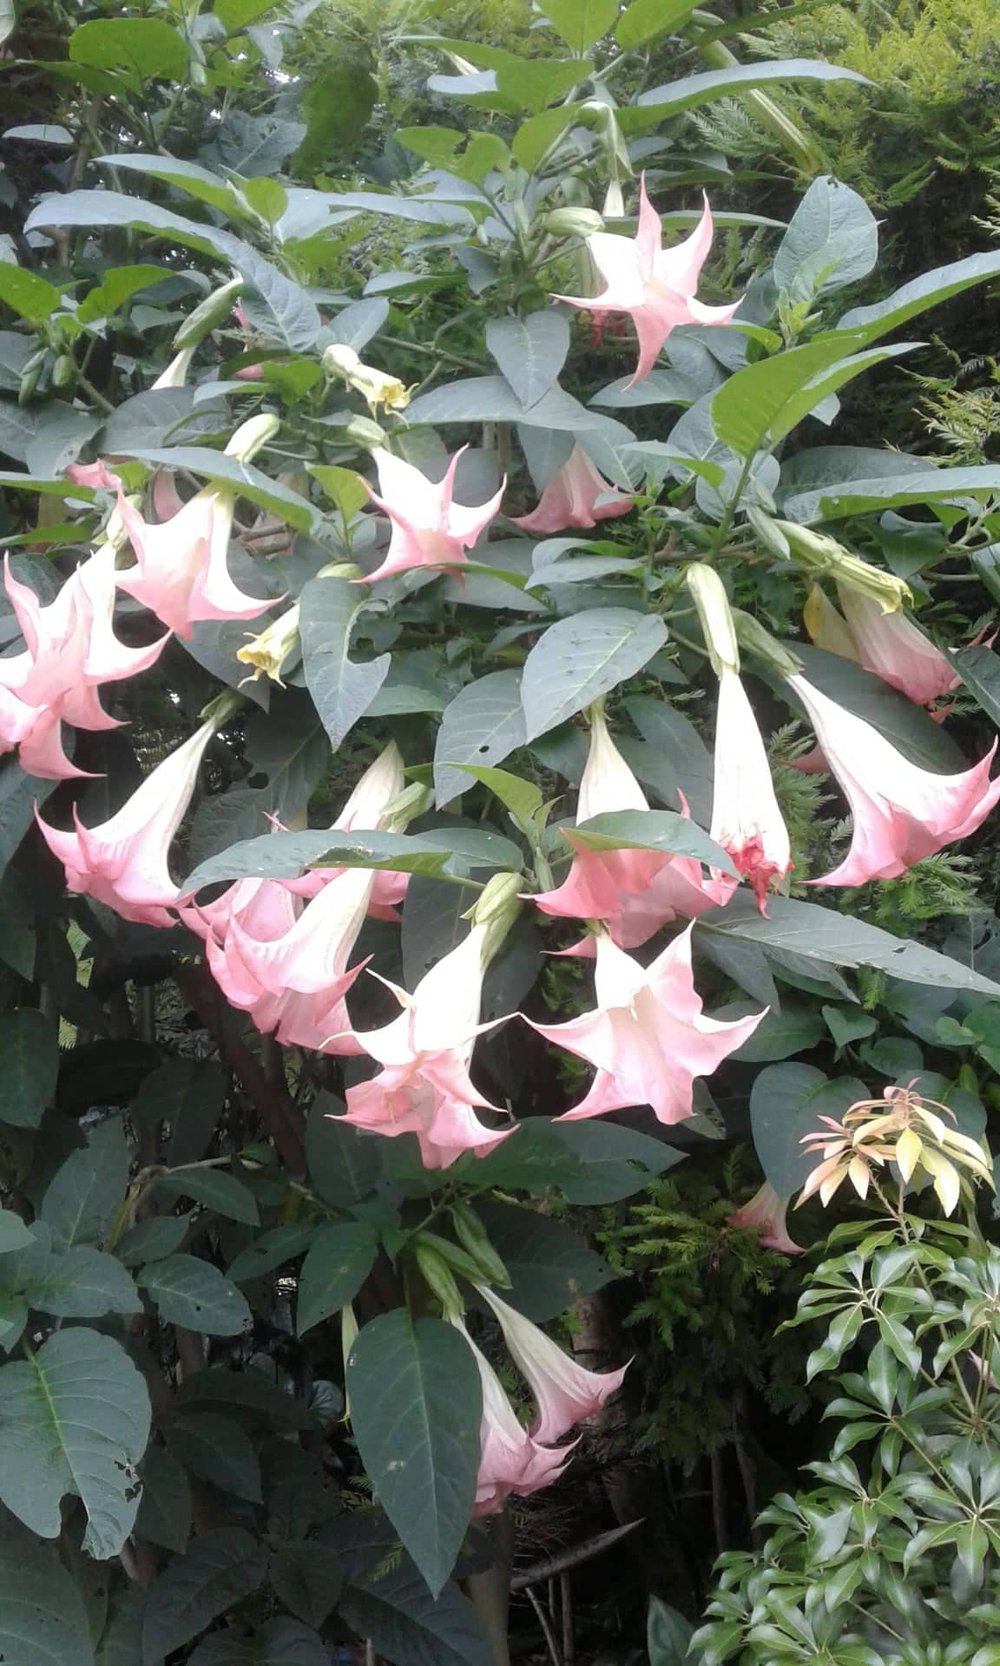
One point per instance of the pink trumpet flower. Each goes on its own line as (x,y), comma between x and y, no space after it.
(564,1392)
(746,820)
(429,529)
(766,1213)
(287,964)
(647,1036)
(512,1463)
(97,475)
(895,649)
(181,572)
(124,862)
(424,1087)
(70,650)
(901,813)
(634,892)
(572,498)
(655,286)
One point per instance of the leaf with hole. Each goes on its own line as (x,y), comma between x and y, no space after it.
(188,1291)
(338,1261)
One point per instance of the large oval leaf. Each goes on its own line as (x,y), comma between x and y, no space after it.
(581,658)
(416,1404)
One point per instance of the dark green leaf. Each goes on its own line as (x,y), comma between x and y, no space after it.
(530,351)
(979,669)
(416,1405)
(795,1029)
(272,1249)
(482,725)
(763,402)
(85,1194)
(651,830)
(74,1419)
(668,1635)
(280,855)
(214,1188)
(244,478)
(190,1292)
(219,1450)
(222,1566)
(336,1265)
(822,935)
(860,497)
(83,1283)
(308,1578)
(29,1064)
(661,103)
(581,658)
(907,725)
(342,688)
(343,1163)
(550,1265)
(929,290)
(387,1600)
(165,1507)
(152,1239)
(615,1162)
(43,1621)
(786,1102)
(831,241)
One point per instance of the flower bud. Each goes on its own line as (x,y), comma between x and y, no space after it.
(175,374)
(471,1233)
(614,202)
(766,647)
(709,595)
(251,436)
(819,554)
(495,910)
(406,806)
(269,649)
(437,1276)
(572,222)
(375,386)
(365,432)
(208,314)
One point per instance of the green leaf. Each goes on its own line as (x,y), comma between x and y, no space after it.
(336,105)
(183,176)
(43,1621)
(536,136)
(308,1578)
(668,1635)
(343,1163)
(221,1567)
(979,669)
(795,1029)
(650,830)
(27,294)
(117,286)
(643,20)
(344,486)
(515,83)
(342,689)
(550,1265)
(294,318)
(581,658)
(482,725)
(245,1392)
(272,1249)
(188,1291)
(85,1193)
(786,1102)
(219,1450)
(165,1507)
(141,48)
(188,1095)
(492,399)
(387,1600)
(416,1405)
(29,1064)
(451,850)
(83,1283)
(821,934)
(281,1642)
(674,758)
(152,1239)
(660,103)
(895,491)
(214,1188)
(847,1026)
(74,1419)
(338,1262)
(928,290)
(580,22)
(615,1162)
(522,798)
(763,402)
(831,241)
(14,1235)
(244,478)
(530,351)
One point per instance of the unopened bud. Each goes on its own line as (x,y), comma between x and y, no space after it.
(348,1336)
(819,554)
(406,806)
(496,909)
(766,647)
(471,1233)
(250,436)
(614,202)
(572,222)
(209,314)
(364,432)
(826,627)
(709,596)
(269,649)
(437,1276)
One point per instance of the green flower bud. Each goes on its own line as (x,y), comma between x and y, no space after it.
(818,553)
(437,1275)
(709,596)
(572,222)
(363,431)
(208,314)
(471,1233)
(754,637)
